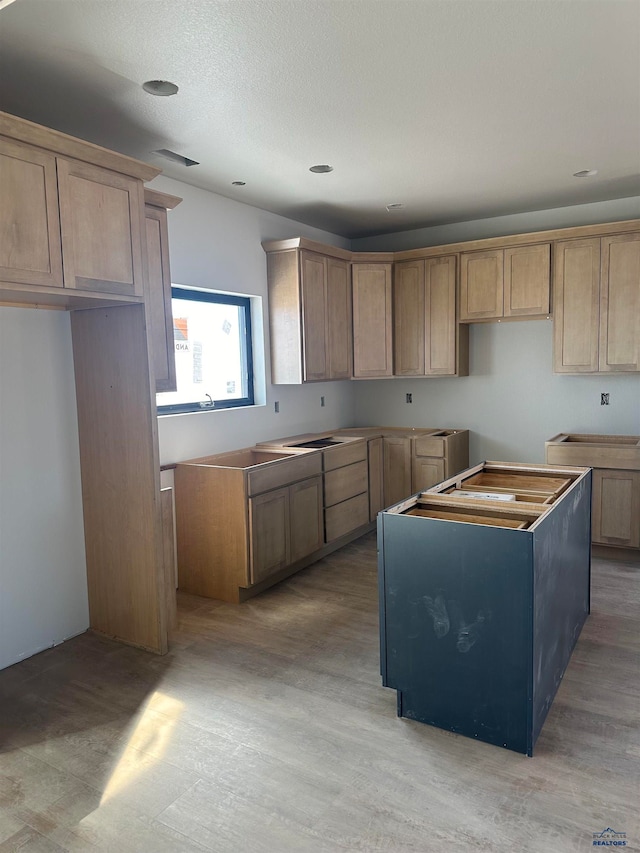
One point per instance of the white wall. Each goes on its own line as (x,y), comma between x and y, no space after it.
(512,401)
(43,586)
(216,243)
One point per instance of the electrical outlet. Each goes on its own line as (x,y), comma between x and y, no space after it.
(604,399)
(276,407)
(321,402)
(409,398)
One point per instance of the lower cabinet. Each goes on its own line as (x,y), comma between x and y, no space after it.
(346,489)
(615,514)
(397,468)
(426,472)
(285,526)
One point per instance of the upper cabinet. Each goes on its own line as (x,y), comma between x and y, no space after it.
(427,338)
(102,223)
(309,313)
(158,289)
(505,283)
(372,320)
(71,219)
(30,251)
(597,304)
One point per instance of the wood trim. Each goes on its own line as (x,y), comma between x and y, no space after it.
(310,245)
(43,296)
(163,200)
(78,149)
(508,241)
(529,238)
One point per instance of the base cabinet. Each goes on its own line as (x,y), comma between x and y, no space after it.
(615,516)
(465,584)
(615,459)
(285,526)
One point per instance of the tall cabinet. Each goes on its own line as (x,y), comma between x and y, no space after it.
(73,236)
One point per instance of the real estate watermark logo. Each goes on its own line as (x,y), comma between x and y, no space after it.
(609,838)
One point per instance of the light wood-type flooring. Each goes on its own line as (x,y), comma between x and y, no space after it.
(266,729)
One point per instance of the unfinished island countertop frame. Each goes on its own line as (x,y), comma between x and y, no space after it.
(482,599)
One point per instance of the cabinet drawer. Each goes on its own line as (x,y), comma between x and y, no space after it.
(429,446)
(346,516)
(287,471)
(344,454)
(344,483)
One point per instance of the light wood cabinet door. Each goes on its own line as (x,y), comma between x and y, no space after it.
(30,250)
(527,271)
(158,300)
(376,495)
(102,227)
(616,508)
(372,320)
(576,299)
(306,523)
(339,337)
(409,318)
(440,318)
(481,285)
(397,469)
(427,471)
(314,315)
(619,345)
(269,533)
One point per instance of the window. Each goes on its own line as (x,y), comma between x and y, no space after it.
(212,340)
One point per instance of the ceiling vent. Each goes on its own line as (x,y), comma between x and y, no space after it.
(177,158)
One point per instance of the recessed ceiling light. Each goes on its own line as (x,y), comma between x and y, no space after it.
(321,168)
(160,87)
(177,158)
(585,173)
(397,205)
(238,183)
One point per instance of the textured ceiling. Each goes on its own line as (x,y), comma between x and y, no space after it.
(459,110)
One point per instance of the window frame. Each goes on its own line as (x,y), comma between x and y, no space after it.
(246,354)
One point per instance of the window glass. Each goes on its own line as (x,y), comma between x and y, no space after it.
(212,341)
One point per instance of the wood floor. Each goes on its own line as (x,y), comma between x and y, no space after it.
(266,729)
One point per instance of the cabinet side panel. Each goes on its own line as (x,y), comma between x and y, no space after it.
(158,300)
(456,608)
(285,318)
(120,476)
(562,569)
(211,531)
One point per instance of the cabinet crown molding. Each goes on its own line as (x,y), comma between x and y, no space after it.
(78,149)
